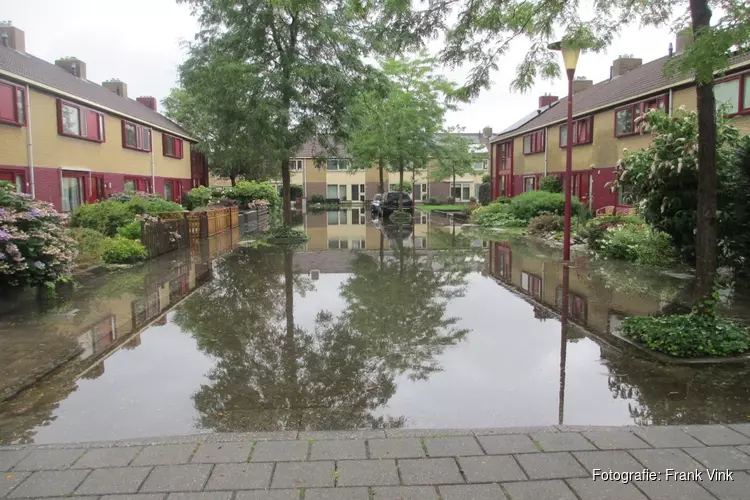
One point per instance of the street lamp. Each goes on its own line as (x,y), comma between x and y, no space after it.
(570,59)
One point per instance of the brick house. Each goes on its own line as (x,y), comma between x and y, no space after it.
(69,141)
(604,124)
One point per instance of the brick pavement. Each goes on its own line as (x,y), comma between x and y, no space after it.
(553,463)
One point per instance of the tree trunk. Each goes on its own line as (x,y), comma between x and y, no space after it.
(233,179)
(400,185)
(454,186)
(705,241)
(380,168)
(287,192)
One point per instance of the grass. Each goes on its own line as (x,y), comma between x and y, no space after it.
(429,208)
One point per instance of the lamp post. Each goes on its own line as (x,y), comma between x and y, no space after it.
(570,59)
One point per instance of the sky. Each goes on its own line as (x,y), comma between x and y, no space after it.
(141,43)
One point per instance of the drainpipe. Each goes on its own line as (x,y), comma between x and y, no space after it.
(29,143)
(546,148)
(671,105)
(153,169)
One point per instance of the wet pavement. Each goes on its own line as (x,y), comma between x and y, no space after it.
(364,326)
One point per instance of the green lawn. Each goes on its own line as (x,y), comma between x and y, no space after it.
(429,208)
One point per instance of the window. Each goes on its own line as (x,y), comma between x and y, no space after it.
(626,117)
(172,190)
(136,136)
(171,146)
(529,184)
(338,164)
(480,165)
(531,284)
(461,191)
(582,132)
(733,93)
(131,185)
(168,191)
(533,143)
(72,192)
(337,218)
(79,121)
(336,191)
(295,165)
(335,244)
(505,155)
(12,104)
(424,192)
(358,244)
(18,178)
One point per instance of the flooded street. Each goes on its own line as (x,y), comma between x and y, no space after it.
(364,326)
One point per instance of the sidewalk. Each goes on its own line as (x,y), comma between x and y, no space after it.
(551,463)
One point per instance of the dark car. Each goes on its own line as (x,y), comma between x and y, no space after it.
(390,203)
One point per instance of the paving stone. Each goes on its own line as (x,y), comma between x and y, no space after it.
(614,440)
(353,434)
(396,448)
(507,444)
(10,458)
(423,433)
(741,428)
(720,457)
(114,480)
(240,476)
(539,490)
(268,495)
(459,446)
(491,468)
(550,465)
(279,451)
(472,492)
(49,484)
(303,475)
(367,473)
(562,441)
(514,430)
(214,495)
(190,477)
(618,461)
(605,490)
(716,435)
(167,454)
(107,457)
(672,490)
(216,453)
(144,496)
(338,450)
(49,459)
(665,458)
(405,493)
(729,490)
(337,494)
(666,437)
(11,480)
(429,471)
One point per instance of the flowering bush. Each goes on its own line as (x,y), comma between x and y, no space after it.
(119,210)
(246,191)
(256,204)
(34,248)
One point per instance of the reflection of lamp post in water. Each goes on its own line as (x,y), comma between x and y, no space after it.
(563,341)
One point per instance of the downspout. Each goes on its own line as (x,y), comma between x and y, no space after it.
(671,105)
(29,143)
(546,148)
(153,168)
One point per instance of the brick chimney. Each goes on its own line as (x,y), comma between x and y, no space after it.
(73,65)
(546,100)
(623,64)
(12,37)
(581,83)
(685,40)
(148,101)
(116,86)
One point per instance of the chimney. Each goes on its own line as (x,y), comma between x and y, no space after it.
(581,83)
(623,64)
(685,40)
(73,65)
(12,37)
(546,100)
(116,86)
(148,101)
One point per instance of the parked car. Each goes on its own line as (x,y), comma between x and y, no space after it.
(390,204)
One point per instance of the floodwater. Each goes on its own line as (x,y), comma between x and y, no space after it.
(364,326)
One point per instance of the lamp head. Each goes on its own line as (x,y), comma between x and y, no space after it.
(570,54)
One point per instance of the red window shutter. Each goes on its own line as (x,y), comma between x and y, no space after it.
(138,132)
(179,147)
(164,144)
(92,125)
(7,103)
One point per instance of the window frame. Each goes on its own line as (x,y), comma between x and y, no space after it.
(82,110)
(537,142)
(177,155)
(504,161)
(744,80)
(533,178)
(139,131)
(298,164)
(338,164)
(576,124)
(641,107)
(17,121)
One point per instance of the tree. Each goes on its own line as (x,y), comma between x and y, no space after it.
(480,31)
(306,58)
(455,157)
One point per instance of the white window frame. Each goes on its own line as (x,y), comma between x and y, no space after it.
(461,185)
(296,164)
(338,218)
(338,162)
(524,183)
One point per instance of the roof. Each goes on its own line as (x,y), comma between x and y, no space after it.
(523,121)
(38,71)
(313,148)
(640,81)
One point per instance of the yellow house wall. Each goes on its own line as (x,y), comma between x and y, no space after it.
(13,145)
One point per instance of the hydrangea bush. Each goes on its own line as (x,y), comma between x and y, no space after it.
(34,248)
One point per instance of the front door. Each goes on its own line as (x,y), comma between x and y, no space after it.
(355,192)
(417,192)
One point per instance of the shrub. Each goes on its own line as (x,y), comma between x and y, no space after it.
(90,245)
(257,204)
(318,198)
(246,191)
(297,191)
(450,200)
(502,199)
(486,179)
(546,223)
(529,205)
(109,215)
(551,184)
(496,215)
(131,231)
(472,199)
(485,193)
(407,187)
(198,197)
(640,244)
(217,191)
(433,201)
(471,208)
(286,232)
(595,228)
(119,250)
(34,248)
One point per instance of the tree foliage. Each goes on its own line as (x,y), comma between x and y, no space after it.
(455,157)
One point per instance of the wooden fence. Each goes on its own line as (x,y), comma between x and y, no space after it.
(164,236)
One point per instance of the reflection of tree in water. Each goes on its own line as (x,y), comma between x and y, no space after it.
(271,374)
(666,395)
